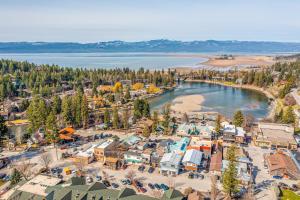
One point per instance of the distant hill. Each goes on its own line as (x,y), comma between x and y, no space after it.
(209,46)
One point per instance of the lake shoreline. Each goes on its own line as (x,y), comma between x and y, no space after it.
(269,95)
(187,104)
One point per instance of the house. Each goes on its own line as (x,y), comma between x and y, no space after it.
(233,134)
(243,174)
(142,124)
(133,157)
(179,147)
(112,163)
(170,164)
(200,144)
(192,159)
(190,129)
(36,188)
(87,155)
(275,136)
(280,164)
(131,140)
(67,134)
(215,166)
(102,150)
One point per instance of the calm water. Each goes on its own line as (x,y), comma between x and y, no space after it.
(110,60)
(223,99)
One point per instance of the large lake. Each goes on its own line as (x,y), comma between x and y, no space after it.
(110,60)
(223,99)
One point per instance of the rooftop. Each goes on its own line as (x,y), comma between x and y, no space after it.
(193,156)
(172,158)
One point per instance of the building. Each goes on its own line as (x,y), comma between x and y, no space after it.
(275,136)
(67,134)
(170,164)
(112,163)
(87,155)
(192,160)
(200,144)
(35,188)
(233,134)
(180,146)
(103,150)
(280,164)
(215,166)
(190,129)
(133,157)
(242,171)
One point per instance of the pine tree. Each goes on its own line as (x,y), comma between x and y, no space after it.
(155,121)
(229,178)
(67,110)
(125,119)
(167,118)
(106,118)
(146,132)
(56,105)
(218,125)
(238,118)
(3,127)
(84,112)
(146,109)
(288,115)
(127,94)
(51,122)
(115,120)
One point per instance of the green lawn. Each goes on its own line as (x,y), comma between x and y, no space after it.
(289,195)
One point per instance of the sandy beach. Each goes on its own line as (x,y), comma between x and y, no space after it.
(187,104)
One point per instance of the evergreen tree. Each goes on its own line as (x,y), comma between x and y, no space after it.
(238,118)
(3,127)
(106,118)
(288,115)
(146,109)
(67,110)
(56,105)
(115,120)
(166,118)
(84,112)
(218,125)
(16,177)
(229,178)
(51,122)
(185,118)
(155,121)
(127,94)
(125,119)
(146,132)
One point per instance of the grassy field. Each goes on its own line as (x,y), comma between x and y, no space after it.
(289,195)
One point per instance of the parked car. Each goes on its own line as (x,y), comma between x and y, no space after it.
(257,191)
(141,168)
(143,190)
(128,182)
(106,183)
(114,185)
(151,170)
(138,184)
(89,179)
(124,182)
(98,178)
(191,175)
(151,186)
(2,175)
(277,177)
(295,187)
(157,186)
(164,187)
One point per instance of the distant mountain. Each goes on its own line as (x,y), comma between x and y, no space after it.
(209,46)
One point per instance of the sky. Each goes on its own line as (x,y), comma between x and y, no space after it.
(136,20)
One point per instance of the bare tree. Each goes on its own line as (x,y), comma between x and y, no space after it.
(46,159)
(131,175)
(24,167)
(188,191)
(171,183)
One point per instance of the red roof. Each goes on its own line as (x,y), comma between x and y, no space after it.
(216,162)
